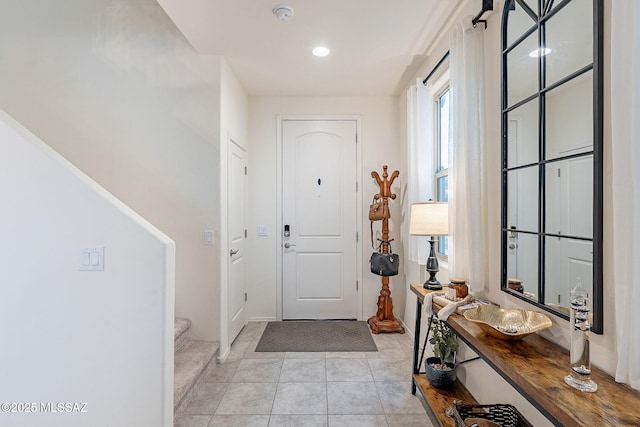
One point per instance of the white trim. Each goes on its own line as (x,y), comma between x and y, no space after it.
(262,319)
(221,358)
(225,345)
(279,120)
(409,331)
(359,247)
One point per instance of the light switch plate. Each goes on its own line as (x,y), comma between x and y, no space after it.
(208,237)
(92,259)
(262,230)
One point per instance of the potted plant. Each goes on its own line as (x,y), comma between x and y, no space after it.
(441,369)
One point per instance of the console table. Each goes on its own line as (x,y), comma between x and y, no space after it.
(535,367)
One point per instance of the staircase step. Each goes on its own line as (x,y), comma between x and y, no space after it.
(190,363)
(181,333)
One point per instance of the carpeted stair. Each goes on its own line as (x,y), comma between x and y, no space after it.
(192,358)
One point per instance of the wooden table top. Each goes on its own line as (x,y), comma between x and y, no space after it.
(536,367)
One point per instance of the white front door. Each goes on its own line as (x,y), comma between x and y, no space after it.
(319,214)
(236,230)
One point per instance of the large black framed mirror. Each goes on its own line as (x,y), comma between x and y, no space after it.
(552,148)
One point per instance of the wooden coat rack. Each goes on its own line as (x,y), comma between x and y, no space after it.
(384,320)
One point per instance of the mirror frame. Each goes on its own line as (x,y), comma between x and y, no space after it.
(597,70)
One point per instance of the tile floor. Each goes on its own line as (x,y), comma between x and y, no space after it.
(371,389)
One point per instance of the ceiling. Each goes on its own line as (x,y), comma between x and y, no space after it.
(376,45)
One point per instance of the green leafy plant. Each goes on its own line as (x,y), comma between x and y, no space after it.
(444,343)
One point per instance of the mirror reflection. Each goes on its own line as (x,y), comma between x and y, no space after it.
(567,260)
(519,22)
(569,197)
(569,107)
(552,183)
(522,135)
(569,36)
(524,70)
(522,208)
(522,264)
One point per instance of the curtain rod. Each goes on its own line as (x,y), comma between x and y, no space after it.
(487,5)
(426,79)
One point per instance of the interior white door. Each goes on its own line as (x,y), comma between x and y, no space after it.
(319,176)
(570,215)
(236,229)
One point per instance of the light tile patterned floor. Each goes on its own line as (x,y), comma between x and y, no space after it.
(359,389)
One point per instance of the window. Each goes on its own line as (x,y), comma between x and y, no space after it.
(442,131)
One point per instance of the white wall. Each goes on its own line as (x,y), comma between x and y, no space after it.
(104,338)
(380,146)
(114,87)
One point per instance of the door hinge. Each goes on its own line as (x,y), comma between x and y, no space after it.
(245,297)
(357,236)
(245,170)
(356,137)
(245,233)
(558,172)
(356,186)
(357,285)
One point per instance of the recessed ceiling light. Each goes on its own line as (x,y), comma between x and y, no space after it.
(542,51)
(320,51)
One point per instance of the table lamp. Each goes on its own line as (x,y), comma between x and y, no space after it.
(430,219)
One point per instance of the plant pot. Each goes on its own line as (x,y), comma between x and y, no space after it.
(440,378)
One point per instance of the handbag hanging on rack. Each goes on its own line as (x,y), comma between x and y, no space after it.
(384,264)
(378,211)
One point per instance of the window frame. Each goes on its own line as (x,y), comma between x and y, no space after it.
(439,88)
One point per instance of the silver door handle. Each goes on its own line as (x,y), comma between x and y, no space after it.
(232,252)
(287,245)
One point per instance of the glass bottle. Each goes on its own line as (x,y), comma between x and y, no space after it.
(580,324)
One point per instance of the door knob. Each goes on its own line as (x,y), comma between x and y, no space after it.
(287,245)
(232,252)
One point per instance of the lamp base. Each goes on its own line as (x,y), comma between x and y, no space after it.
(432,285)
(432,269)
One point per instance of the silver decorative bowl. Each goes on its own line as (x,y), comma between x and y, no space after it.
(507,324)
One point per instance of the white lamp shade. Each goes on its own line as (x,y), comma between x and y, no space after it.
(429,219)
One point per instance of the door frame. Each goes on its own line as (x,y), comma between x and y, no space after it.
(280,119)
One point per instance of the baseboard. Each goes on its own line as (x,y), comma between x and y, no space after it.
(223,356)
(407,330)
(262,319)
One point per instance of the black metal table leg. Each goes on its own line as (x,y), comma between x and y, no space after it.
(416,344)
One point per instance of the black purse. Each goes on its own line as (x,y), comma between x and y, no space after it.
(384,264)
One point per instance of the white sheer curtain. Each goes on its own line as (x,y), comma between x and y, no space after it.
(625,164)
(467,204)
(419,163)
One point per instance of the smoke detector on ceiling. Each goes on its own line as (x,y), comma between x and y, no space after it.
(284,12)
